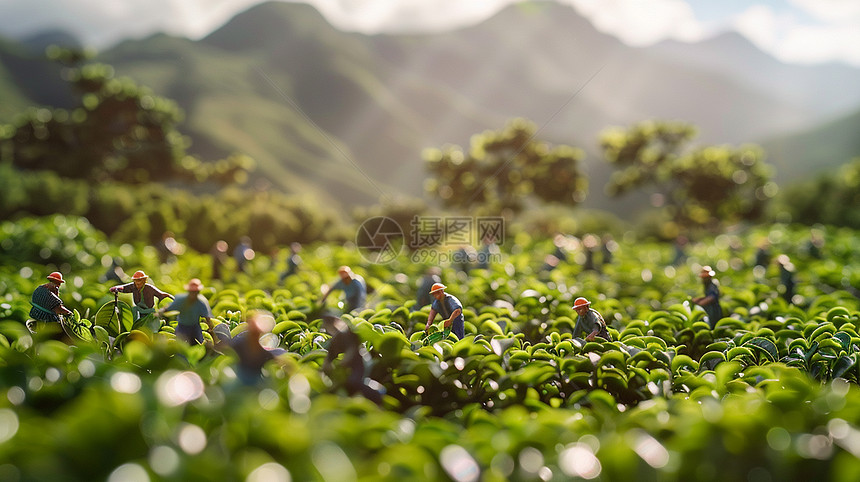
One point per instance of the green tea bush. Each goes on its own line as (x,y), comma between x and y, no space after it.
(770,394)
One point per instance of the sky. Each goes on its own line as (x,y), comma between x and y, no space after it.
(794,31)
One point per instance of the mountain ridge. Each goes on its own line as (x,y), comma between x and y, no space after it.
(346,115)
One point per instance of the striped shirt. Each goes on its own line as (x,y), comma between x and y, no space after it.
(44,301)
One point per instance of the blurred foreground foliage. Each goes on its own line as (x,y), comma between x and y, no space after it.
(771,393)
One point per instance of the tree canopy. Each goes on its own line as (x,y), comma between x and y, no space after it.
(830,198)
(505,169)
(703,186)
(117,131)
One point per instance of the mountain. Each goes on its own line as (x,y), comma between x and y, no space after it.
(824,89)
(345,116)
(824,147)
(27,80)
(40,41)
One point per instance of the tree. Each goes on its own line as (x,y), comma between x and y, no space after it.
(118,131)
(504,169)
(831,198)
(705,186)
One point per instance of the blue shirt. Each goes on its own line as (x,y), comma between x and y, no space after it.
(190,310)
(355,292)
(445,307)
(713,309)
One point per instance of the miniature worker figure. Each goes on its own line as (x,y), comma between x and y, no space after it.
(762,254)
(786,277)
(815,244)
(711,301)
(424,298)
(551,261)
(354,362)
(252,355)
(680,250)
(219,258)
(449,307)
(488,252)
(293,261)
(589,321)
(47,305)
(589,245)
(191,306)
(169,248)
(114,271)
(608,249)
(463,258)
(143,294)
(243,253)
(353,286)
(560,242)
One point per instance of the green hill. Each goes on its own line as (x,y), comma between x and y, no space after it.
(26,80)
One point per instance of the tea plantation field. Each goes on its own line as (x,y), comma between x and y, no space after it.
(770,394)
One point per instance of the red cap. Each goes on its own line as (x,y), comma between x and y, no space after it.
(139,275)
(56,276)
(580,302)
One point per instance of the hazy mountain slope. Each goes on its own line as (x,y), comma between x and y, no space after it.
(27,80)
(824,89)
(346,115)
(241,102)
(40,41)
(823,148)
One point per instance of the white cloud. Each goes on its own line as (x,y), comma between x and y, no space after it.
(840,12)
(799,31)
(791,39)
(812,44)
(760,24)
(637,22)
(406,15)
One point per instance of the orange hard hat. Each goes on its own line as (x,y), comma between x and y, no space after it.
(139,275)
(56,276)
(580,303)
(706,272)
(437,287)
